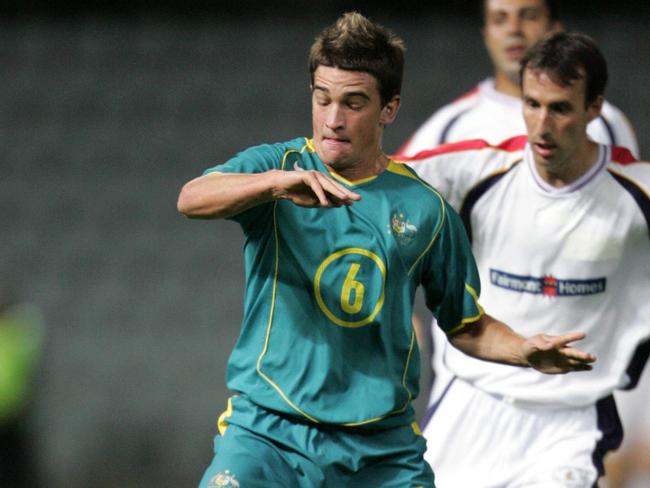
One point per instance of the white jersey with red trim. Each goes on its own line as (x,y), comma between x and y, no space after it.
(488,114)
(553,261)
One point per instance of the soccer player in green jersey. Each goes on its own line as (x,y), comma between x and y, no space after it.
(338,238)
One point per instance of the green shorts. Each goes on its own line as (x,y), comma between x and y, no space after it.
(258,448)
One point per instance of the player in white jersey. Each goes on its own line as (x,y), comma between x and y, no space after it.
(492,110)
(560,228)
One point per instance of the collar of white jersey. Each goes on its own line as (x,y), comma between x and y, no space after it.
(487,90)
(602,158)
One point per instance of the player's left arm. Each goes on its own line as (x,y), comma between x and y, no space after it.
(492,340)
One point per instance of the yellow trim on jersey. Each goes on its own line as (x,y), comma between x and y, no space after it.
(309,146)
(406,368)
(436,232)
(416,428)
(408,400)
(222,425)
(469,320)
(272,311)
(400,169)
(393,167)
(337,176)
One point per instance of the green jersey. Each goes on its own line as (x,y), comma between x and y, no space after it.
(327,333)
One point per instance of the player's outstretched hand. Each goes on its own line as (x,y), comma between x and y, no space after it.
(312,189)
(552,355)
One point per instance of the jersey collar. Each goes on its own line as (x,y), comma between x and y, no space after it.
(602,158)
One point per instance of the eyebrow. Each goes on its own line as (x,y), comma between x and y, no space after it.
(347,94)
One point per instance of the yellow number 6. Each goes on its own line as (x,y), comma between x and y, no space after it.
(349,285)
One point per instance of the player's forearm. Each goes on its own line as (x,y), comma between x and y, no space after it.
(491,340)
(219,195)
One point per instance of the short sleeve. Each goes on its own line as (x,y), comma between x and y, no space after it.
(450,277)
(256,159)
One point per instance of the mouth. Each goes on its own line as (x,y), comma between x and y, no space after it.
(544,149)
(515,53)
(335,141)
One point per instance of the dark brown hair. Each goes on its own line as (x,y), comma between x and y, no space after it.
(566,57)
(355,43)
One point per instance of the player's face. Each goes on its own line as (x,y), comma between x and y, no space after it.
(556,120)
(511,27)
(348,118)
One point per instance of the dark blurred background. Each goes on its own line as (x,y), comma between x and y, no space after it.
(105,111)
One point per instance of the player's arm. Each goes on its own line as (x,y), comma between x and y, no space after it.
(492,340)
(220,195)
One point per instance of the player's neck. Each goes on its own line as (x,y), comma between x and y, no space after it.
(503,84)
(372,166)
(576,166)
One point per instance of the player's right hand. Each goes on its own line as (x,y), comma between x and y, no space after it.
(311,189)
(553,355)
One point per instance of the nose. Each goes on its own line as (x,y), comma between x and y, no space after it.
(543,122)
(334,119)
(514,24)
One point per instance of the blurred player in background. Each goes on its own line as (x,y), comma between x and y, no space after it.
(338,238)
(560,227)
(21,340)
(492,111)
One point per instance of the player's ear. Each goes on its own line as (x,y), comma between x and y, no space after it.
(389,111)
(594,108)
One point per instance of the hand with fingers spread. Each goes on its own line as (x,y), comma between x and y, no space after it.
(553,355)
(312,189)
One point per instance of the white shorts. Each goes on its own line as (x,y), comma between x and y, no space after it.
(480,441)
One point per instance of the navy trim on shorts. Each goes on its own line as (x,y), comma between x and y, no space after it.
(609,423)
(432,409)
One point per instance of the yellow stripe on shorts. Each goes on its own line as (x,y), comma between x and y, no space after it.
(416,428)
(222,425)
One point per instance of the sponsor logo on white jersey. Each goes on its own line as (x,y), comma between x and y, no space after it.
(547,285)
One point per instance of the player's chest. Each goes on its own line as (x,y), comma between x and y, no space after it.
(383,233)
(526,230)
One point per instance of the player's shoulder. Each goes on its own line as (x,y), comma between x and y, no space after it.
(613,113)
(429,134)
(412,183)
(297,144)
(625,165)
(512,146)
(462,102)
(262,157)
(620,124)
(278,151)
(453,109)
